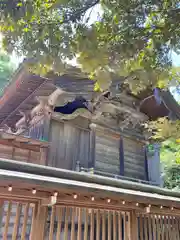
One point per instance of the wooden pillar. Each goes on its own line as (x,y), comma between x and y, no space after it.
(133,226)
(39,222)
(1,211)
(121,156)
(92,147)
(146,164)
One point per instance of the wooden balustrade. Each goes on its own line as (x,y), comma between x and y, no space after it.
(24,220)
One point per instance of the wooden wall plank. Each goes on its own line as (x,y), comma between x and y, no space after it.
(134,159)
(68,144)
(107,154)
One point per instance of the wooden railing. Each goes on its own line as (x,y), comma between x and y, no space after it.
(25,220)
(156,227)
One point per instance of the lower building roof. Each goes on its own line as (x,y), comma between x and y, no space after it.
(36,176)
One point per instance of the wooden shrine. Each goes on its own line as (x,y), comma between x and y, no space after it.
(74,163)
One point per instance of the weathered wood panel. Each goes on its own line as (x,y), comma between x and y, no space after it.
(19,154)
(107,153)
(134,159)
(6,151)
(68,144)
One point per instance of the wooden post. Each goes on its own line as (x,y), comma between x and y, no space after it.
(121,156)
(133,226)
(15,228)
(1,211)
(92,225)
(7,220)
(38,223)
(26,211)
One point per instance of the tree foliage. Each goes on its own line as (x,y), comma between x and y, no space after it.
(170,159)
(6,69)
(170,152)
(165,129)
(172,177)
(132,38)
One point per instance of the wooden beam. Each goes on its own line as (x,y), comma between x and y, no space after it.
(22,194)
(164,211)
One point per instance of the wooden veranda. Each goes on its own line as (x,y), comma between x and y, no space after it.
(59,204)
